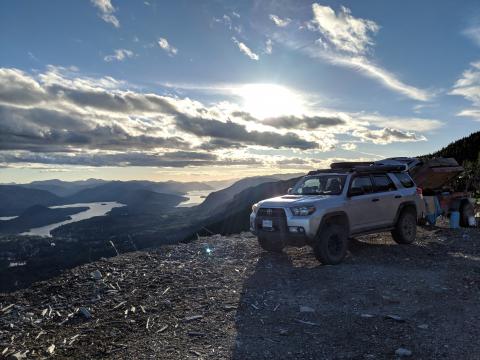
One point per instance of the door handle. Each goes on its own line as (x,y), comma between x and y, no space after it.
(375,200)
(398,196)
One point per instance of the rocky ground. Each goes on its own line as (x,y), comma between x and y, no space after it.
(223,297)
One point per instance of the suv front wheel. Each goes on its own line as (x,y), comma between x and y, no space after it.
(331,245)
(405,230)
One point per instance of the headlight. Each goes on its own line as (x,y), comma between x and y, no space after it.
(255,208)
(303,210)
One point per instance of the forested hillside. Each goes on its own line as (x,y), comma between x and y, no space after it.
(465,149)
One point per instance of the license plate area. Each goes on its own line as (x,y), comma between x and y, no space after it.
(267,224)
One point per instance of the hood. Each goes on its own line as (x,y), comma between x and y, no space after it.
(294,200)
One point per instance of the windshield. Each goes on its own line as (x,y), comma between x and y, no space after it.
(320,185)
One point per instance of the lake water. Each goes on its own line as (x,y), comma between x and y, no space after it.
(195,197)
(5,218)
(94,209)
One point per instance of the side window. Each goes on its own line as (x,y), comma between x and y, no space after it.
(383,183)
(363,182)
(405,180)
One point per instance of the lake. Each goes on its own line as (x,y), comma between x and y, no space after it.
(6,218)
(94,209)
(195,198)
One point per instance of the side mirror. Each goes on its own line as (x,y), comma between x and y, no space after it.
(355,191)
(289,191)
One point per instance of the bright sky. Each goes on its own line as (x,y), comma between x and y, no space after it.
(203,90)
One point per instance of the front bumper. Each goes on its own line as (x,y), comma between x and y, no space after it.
(292,230)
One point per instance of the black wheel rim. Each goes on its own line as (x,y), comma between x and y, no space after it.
(334,245)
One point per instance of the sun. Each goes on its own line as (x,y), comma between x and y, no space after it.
(270,100)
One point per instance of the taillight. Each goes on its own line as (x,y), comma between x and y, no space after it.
(419,192)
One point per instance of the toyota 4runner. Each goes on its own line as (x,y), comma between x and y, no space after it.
(327,207)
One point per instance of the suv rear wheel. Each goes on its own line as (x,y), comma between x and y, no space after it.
(405,230)
(331,245)
(271,245)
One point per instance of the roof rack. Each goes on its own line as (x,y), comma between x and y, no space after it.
(379,168)
(360,167)
(328,171)
(349,164)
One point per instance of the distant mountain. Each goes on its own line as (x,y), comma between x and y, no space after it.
(15,199)
(128,192)
(465,149)
(147,202)
(36,216)
(63,188)
(216,199)
(69,188)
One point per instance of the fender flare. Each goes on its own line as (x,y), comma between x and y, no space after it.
(334,214)
(404,205)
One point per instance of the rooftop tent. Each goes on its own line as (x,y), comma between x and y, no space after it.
(435,173)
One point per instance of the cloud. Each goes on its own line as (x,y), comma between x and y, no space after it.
(18,88)
(370,69)
(346,41)
(342,30)
(59,116)
(280,22)
(387,136)
(349,146)
(235,132)
(168,159)
(106,11)
(468,86)
(245,49)
(216,144)
(473,33)
(119,55)
(268,47)
(305,122)
(400,122)
(165,45)
(49,130)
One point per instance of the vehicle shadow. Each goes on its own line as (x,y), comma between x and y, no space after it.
(292,307)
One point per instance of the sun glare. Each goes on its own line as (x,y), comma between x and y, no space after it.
(270,100)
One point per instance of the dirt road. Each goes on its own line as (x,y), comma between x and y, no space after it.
(222,297)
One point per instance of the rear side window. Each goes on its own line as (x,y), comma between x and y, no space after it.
(405,180)
(363,182)
(383,183)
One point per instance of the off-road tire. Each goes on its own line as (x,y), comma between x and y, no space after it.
(270,245)
(466,210)
(331,244)
(405,230)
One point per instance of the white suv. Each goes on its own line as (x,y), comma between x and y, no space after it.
(326,207)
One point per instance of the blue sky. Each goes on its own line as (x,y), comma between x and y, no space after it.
(220,89)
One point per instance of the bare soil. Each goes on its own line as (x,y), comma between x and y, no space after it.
(223,297)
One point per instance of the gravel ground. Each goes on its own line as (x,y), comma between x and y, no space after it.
(223,297)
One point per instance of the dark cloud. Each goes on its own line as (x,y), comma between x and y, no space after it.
(172,159)
(44,130)
(19,89)
(387,135)
(215,144)
(235,132)
(116,102)
(294,122)
(305,122)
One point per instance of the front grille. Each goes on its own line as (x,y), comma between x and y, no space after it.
(271,212)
